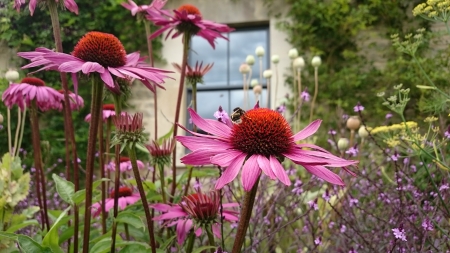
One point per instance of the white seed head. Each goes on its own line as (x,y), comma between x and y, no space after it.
(362,132)
(293,53)
(250,60)
(299,62)
(316,61)
(353,123)
(343,143)
(275,59)
(254,82)
(259,51)
(12,75)
(267,73)
(244,68)
(257,89)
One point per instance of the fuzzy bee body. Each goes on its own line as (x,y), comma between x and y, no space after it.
(236,116)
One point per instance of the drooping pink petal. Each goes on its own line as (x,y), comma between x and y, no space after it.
(230,172)
(216,230)
(207,126)
(199,157)
(193,143)
(107,79)
(71,6)
(183,228)
(161,207)
(250,173)
(308,130)
(279,171)
(324,173)
(264,164)
(226,158)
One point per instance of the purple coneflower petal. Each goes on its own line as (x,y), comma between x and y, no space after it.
(264,164)
(250,173)
(206,126)
(231,172)
(225,159)
(193,143)
(199,157)
(183,228)
(324,173)
(308,130)
(279,171)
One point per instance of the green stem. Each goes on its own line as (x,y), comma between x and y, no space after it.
(210,237)
(163,181)
(190,245)
(16,137)
(96,107)
(428,78)
(246,213)
(148,216)
(101,151)
(186,40)
(22,127)
(8,118)
(316,90)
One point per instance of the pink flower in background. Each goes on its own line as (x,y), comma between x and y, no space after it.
(76,102)
(125,196)
(197,207)
(107,112)
(100,53)
(258,143)
(69,4)
(134,8)
(125,164)
(186,19)
(31,89)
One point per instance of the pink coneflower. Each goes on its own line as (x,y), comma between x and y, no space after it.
(76,102)
(134,8)
(199,208)
(30,89)
(186,19)
(100,53)
(69,4)
(195,74)
(107,112)
(258,143)
(125,164)
(126,197)
(161,152)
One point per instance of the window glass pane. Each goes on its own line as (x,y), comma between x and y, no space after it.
(209,102)
(201,50)
(237,99)
(243,43)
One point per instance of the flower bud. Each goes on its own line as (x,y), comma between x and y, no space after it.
(316,61)
(299,62)
(250,60)
(1,118)
(275,59)
(12,75)
(254,82)
(244,68)
(343,143)
(362,132)
(259,51)
(293,53)
(257,89)
(353,123)
(267,74)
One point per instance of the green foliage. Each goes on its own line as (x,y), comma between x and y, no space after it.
(14,184)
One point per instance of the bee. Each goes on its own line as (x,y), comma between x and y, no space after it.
(237,115)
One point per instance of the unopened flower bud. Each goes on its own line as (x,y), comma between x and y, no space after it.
(257,89)
(316,61)
(250,60)
(293,53)
(1,118)
(267,74)
(299,62)
(343,143)
(254,82)
(12,75)
(353,123)
(275,59)
(244,68)
(362,132)
(259,51)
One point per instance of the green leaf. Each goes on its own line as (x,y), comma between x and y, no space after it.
(103,246)
(80,195)
(9,236)
(167,242)
(28,245)
(27,223)
(51,239)
(168,135)
(64,188)
(142,148)
(132,249)
(130,218)
(198,250)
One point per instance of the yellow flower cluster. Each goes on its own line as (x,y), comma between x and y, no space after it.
(394,127)
(432,9)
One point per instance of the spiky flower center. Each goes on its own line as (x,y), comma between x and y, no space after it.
(103,48)
(124,159)
(201,207)
(262,131)
(123,192)
(189,9)
(33,81)
(108,107)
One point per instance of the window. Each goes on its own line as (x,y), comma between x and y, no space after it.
(223,84)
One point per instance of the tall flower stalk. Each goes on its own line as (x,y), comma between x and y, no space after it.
(316,61)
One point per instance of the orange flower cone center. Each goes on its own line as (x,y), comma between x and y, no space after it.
(33,81)
(123,192)
(262,131)
(103,48)
(108,107)
(190,9)
(124,159)
(62,91)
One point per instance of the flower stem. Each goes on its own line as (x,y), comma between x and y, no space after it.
(96,107)
(163,181)
(16,137)
(316,90)
(428,77)
(137,176)
(38,159)
(22,127)
(210,237)
(101,152)
(186,40)
(299,91)
(246,213)
(268,93)
(190,245)
(148,32)
(70,133)
(276,86)
(8,118)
